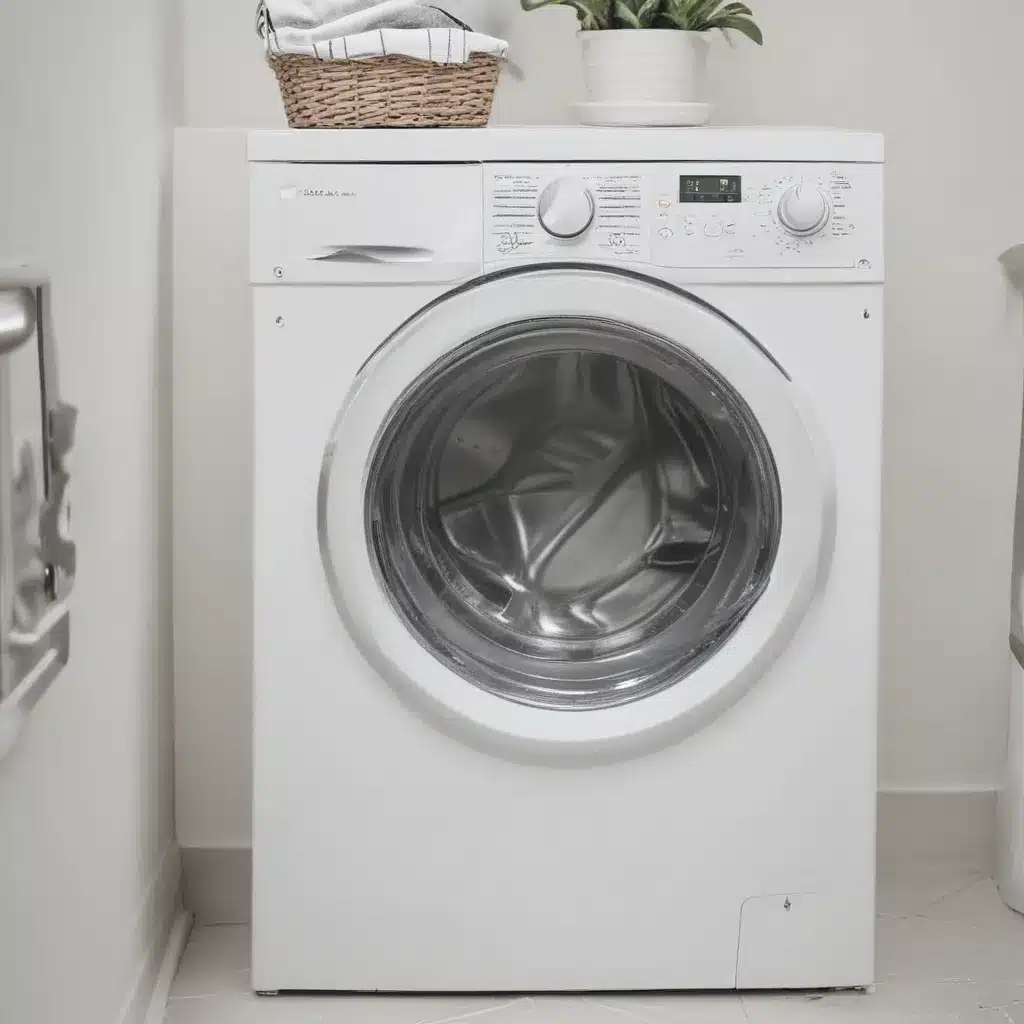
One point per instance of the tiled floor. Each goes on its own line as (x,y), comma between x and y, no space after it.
(948,950)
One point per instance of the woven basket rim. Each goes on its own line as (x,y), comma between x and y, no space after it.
(273,58)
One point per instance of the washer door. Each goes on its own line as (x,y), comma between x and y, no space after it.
(573,508)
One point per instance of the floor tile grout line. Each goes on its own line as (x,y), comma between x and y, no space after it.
(621,1010)
(966,925)
(469,1015)
(1003,1006)
(969,884)
(207,995)
(172,998)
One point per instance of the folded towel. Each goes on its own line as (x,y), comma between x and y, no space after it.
(347,17)
(441,45)
(311,13)
(417,16)
(407,14)
(356,29)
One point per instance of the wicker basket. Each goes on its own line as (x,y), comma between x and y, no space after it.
(386,92)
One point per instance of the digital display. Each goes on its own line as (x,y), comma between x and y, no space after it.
(709,189)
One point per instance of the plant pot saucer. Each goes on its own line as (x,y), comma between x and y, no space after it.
(641,114)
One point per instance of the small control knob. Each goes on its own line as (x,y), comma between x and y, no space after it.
(566,208)
(804,210)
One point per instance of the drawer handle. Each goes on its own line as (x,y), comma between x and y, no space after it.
(376,254)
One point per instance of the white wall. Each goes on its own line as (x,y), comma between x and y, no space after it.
(947,101)
(88,864)
(212,492)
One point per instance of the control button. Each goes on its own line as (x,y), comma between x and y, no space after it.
(566,208)
(690,229)
(804,210)
(666,232)
(713,229)
(730,228)
(664,203)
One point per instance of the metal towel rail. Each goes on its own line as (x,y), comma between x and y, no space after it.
(37,556)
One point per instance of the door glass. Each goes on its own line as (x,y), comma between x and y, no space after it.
(573,513)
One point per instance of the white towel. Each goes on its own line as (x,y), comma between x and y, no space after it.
(311,13)
(356,29)
(441,45)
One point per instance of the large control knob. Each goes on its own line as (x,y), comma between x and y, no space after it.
(804,210)
(566,208)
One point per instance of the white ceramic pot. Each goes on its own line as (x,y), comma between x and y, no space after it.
(644,76)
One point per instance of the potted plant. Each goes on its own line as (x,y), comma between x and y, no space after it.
(645,60)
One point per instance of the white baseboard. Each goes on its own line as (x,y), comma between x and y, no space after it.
(155,926)
(915,827)
(920,826)
(175,948)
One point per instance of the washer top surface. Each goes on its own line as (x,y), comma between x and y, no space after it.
(565,143)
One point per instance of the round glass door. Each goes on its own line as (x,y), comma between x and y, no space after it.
(573,510)
(572,513)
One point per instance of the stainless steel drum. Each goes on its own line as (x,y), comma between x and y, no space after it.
(573,513)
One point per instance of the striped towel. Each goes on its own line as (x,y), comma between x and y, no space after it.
(357,29)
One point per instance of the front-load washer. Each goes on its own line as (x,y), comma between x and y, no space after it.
(566,558)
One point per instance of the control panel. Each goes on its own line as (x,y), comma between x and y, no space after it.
(688,216)
(538,211)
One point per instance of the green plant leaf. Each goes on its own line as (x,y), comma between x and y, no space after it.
(744,26)
(676,14)
(686,15)
(692,15)
(592,14)
(734,8)
(627,13)
(702,13)
(649,10)
(624,17)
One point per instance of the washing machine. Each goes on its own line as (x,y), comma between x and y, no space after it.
(566,558)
